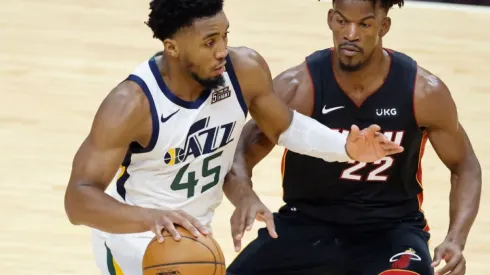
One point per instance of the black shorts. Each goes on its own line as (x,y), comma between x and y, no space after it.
(305,247)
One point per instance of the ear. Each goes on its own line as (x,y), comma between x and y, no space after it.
(171,47)
(385,26)
(330,18)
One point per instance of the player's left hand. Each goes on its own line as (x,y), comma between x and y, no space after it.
(452,254)
(246,212)
(369,145)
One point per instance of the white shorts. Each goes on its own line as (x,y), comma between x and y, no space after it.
(120,254)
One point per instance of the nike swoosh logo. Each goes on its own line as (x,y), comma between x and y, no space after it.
(326,111)
(164,119)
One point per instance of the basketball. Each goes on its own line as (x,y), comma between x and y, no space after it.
(189,256)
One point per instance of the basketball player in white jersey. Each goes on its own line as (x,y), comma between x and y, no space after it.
(170,130)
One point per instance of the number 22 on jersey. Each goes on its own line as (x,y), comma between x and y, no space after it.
(376,174)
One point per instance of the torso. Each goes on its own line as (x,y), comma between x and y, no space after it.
(190,149)
(360,193)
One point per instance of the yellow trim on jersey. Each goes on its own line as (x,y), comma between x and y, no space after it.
(121,172)
(117,268)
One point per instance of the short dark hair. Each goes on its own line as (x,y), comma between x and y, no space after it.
(169,16)
(386,4)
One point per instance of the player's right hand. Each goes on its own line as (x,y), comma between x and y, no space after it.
(369,145)
(250,208)
(167,219)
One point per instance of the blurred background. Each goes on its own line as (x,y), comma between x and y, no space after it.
(464,2)
(59,59)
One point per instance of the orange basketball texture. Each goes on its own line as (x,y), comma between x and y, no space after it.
(189,256)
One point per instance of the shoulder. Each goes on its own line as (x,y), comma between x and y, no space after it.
(433,101)
(126,100)
(252,72)
(247,59)
(122,112)
(293,85)
(429,87)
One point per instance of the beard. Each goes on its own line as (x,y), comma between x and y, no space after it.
(354,67)
(350,67)
(209,83)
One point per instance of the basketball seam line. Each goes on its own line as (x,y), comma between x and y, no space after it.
(214,256)
(177,263)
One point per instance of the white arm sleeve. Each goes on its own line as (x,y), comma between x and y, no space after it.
(309,137)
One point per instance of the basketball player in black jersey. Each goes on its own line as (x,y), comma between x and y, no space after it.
(356,218)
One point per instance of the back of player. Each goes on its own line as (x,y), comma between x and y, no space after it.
(191,150)
(349,218)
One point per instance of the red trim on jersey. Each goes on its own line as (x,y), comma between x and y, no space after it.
(398,272)
(283,163)
(418,176)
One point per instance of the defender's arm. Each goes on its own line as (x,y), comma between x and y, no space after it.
(436,111)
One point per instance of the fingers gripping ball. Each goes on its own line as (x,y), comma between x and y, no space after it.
(189,256)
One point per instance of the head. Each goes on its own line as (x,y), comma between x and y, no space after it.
(358,27)
(194,34)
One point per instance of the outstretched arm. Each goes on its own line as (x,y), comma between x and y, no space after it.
(297,132)
(282,125)
(293,87)
(436,111)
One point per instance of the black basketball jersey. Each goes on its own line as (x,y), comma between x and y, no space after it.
(354,192)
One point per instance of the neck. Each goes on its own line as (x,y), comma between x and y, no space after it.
(178,80)
(364,76)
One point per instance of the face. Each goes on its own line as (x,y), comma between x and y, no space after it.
(202,48)
(357,27)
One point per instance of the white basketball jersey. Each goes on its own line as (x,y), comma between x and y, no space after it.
(191,149)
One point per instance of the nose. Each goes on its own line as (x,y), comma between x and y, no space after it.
(351,32)
(222,50)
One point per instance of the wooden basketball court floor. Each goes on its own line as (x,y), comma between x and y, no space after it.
(58,59)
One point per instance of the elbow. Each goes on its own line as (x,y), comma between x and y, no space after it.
(72,217)
(72,206)
(476,171)
(71,213)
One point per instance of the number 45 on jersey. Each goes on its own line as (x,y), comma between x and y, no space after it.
(379,172)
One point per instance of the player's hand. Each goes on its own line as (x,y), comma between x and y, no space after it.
(369,145)
(167,219)
(249,209)
(452,254)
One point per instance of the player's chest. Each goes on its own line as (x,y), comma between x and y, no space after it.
(386,109)
(191,137)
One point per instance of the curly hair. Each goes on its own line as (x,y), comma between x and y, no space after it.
(169,16)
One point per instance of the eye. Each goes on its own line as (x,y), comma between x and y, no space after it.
(210,43)
(340,21)
(365,25)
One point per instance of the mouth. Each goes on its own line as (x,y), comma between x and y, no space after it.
(350,50)
(220,69)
